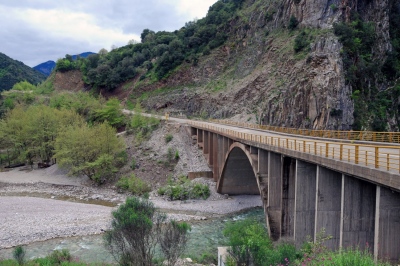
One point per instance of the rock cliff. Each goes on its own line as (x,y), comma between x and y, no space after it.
(281,65)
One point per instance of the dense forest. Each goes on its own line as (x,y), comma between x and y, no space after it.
(12,71)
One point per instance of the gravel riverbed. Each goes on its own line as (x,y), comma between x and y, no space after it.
(41,204)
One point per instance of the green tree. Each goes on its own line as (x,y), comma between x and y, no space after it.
(248,241)
(89,150)
(137,228)
(111,113)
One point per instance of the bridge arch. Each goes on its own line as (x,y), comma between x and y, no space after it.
(239,171)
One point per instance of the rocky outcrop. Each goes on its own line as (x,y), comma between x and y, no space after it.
(257,72)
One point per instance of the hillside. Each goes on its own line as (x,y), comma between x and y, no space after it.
(310,64)
(12,71)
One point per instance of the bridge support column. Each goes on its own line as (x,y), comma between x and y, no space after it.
(206,143)
(215,152)
(305,189)
(328,205)
(199,136)
(387,225)
(288,196)
(210,149)
(262,180)
(358,213)
(274,208)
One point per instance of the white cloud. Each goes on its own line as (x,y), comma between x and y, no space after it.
(34,31)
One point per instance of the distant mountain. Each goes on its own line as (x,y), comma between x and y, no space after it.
(48,66)
(13,71)
(84,55)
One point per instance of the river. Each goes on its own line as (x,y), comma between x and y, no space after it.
(205,237)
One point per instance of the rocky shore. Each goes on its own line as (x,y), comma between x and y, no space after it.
(37,205)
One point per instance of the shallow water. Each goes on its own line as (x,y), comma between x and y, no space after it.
(205,237)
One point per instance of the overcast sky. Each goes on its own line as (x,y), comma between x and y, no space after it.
(35,31)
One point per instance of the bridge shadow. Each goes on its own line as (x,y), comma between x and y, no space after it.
(239,170)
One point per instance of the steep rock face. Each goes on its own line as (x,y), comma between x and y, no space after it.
(264,77)
(311,13)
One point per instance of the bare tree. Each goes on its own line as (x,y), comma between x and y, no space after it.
(173,241)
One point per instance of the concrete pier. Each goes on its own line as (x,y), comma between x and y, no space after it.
(306,184)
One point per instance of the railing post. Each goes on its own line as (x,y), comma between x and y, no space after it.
(341,152)
(295,145)
(366,158)
(315,147)
(326,149)
(376,157)
(387,161)
(357,153)
(287,143)
(304,146)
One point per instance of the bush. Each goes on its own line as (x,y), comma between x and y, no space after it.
(19,255)
(301,41)
(293,22)
(168,138)
(137,228)
(59,256)
(184,189)
(133,164)
(177,155)
(134,185)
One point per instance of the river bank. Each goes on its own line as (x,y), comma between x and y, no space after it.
(41,204)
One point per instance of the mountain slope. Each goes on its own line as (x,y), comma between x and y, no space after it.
(46,67)
(285,63)
(13,71)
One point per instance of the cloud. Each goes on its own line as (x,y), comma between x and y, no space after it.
(34,31)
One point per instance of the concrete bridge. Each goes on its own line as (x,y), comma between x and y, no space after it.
(350,189)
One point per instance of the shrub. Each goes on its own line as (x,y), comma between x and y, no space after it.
(19,254)
(170,154)
(134,185)
(184,189)
(301,41)
(177,155)
(173,241)
(293,22)
(168,138)
(59,256)
(133,164)
(137,228)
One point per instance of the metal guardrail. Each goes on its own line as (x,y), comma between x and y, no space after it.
(389,137)
(385,158)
